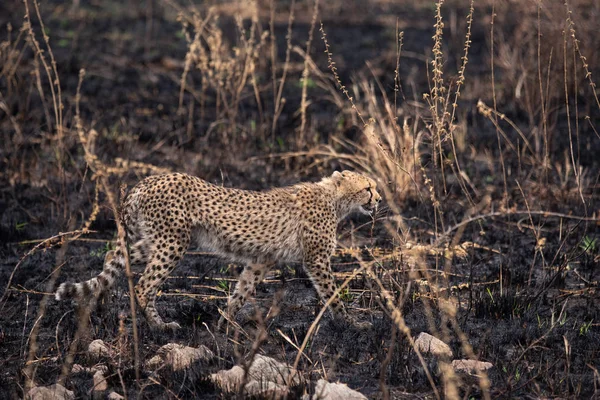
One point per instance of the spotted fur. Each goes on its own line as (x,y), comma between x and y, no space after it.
(293,224)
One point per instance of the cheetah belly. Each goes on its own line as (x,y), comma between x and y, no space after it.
(286,249)
(248,237)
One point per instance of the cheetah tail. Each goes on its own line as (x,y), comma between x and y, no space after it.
(114,263)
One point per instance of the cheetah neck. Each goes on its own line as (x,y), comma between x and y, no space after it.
(340,204)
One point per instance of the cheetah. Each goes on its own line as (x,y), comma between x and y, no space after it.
(162,214)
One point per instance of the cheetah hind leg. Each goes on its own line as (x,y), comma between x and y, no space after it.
(160,264)
(252,275)
(137,256)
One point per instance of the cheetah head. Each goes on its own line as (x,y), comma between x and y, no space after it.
(356,192)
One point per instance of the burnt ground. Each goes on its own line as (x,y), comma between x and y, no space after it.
(526,292)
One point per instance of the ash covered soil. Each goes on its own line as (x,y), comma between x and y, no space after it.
(524,287)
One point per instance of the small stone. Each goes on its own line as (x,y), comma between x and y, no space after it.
(115,396)
(471,367)
(428,344)
(54,392)
(335,391)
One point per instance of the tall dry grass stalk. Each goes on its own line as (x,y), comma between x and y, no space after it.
(278,99)
(301,138)
(504,203)
(443,104)
(49,68)
(12,51)
(226,71)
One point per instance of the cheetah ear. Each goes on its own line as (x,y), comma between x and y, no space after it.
(337,178)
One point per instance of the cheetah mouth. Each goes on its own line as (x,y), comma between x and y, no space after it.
(367,209)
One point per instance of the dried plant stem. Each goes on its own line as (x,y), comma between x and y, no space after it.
(54,83)
(52,73)
(488,112)
(546,157)
(568,111)
(273,47)
(397,85)
(437,97)
(199,26)
(495,112)
(584,63)
(460,82)
(336,77)
(465,59)
(278,90)
(305,72)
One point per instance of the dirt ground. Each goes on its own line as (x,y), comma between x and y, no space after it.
(523,289)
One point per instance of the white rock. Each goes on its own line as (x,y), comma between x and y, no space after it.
(268,369)
(266,377)
(428,344)
(471,367)
(114,396)
(98,349)
(228,380)
(179,357)
(269,390)
(54,392)
(100,384)
(335,391)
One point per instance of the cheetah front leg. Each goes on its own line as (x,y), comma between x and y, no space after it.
(318,250)
(164,257)
(252,275)
(318,269)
